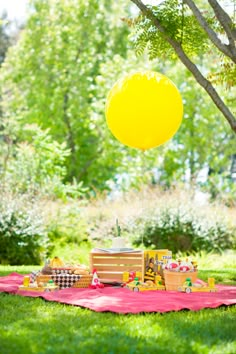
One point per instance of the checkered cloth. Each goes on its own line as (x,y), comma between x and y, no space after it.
(65,280)
(34,275)
(62,280)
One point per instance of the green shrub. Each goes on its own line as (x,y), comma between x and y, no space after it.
(23,239)
(67,226)
(182,229)
(37,165)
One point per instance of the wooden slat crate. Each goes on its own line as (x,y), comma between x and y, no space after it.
(111,266)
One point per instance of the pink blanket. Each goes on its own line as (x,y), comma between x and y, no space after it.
(122,300)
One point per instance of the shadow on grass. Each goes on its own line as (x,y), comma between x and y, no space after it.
(31,325)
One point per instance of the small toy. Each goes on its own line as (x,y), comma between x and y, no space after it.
(173,266)
(26,280)
(95,281)
(137,285)
(184,268)
(129,276)
(150,273)
(144,286)
(188,282)
(50,286)
(195,265)
(188,287)
(180,266)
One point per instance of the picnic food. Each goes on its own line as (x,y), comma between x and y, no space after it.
(56,262)
(81,269)
(46,269)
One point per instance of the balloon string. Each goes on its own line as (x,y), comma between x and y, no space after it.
(143,187)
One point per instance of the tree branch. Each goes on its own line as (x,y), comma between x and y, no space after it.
(225,21)
(228,50)
(88,164)
(71,142)
(208,87)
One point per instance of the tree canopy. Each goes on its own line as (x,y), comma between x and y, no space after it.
(54,84)
(188,30)
(49,78)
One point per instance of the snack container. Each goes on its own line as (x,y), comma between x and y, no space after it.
(62,270)
(83,282)
(42,279)
(174,280)
(26,280)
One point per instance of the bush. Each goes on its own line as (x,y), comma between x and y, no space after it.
(23,239)
(181,229)
(38,166)
(67,226)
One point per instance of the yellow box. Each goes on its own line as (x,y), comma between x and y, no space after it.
(153,261)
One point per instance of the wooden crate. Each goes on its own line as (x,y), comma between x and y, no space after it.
(111,266)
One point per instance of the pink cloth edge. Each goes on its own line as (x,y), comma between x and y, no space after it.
(119,300)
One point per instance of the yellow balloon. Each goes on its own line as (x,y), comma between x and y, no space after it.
(144,110)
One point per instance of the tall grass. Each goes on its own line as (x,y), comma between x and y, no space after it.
(101,214)
(79,224)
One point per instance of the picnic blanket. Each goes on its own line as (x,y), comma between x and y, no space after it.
(121,300)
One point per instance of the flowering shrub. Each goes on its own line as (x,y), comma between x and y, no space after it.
(23,239)
(184,229)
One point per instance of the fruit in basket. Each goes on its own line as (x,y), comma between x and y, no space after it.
(56,262)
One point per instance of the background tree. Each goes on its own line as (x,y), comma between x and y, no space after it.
(5,38)
(49,79)
(200,154)
(181,29)
(5,42)
(57,77)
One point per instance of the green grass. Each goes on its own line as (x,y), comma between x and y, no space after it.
(222,267)
(29,325)
(34,326)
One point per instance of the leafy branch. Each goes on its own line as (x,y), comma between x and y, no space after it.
(185,59)
(228,50)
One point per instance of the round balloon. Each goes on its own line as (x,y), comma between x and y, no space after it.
(144,110)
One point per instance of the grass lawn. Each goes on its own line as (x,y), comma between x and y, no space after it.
(29,325)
